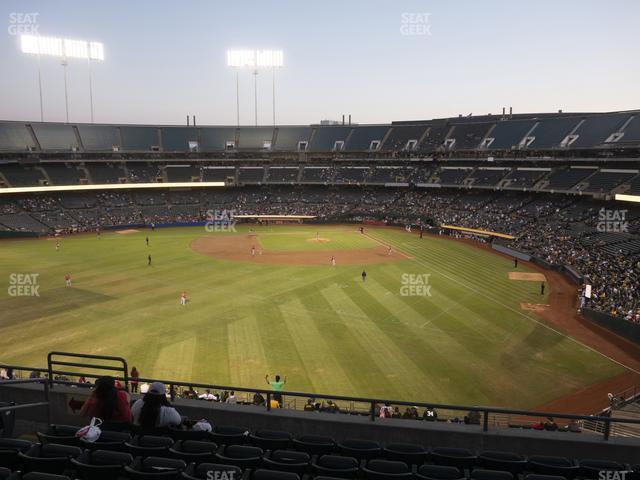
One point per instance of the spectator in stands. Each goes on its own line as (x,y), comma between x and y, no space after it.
(135,375)
(154,410)
(231,398)
(258,399)
(207,395)
(411,413)
(550,425)
(472,418)
(190,393)
(430,414)
(276,386)
(107,402)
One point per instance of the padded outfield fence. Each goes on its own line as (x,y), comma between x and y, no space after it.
(486,418)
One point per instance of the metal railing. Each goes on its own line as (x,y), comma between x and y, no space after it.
(120,366)
(484,417)
(22,381)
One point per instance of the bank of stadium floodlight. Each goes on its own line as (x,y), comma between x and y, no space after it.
(64,49)
(256,60)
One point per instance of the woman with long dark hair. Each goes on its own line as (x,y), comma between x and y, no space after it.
(154,410)
(107,402)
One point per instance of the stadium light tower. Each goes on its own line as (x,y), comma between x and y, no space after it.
(256,60)
(64,49)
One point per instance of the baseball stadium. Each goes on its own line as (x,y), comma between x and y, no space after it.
(453,297)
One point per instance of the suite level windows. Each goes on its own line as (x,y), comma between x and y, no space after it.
(411,145)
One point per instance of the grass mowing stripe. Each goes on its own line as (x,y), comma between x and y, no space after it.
(492,298)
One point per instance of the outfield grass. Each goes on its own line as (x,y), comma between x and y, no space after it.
(467,343)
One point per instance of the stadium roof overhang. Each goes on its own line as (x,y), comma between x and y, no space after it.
(108,186)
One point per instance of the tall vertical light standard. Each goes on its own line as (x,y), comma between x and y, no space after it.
(96,52)
(255,94)
(255,59)
(271,59)
(64,49)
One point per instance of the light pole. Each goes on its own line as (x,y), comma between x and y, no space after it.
(64,49)
(40,89)
(255,94)
(255,59)
(65,64)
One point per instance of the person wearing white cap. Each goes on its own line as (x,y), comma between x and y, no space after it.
(154,410)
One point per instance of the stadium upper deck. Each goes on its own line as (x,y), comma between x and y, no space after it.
(490,134)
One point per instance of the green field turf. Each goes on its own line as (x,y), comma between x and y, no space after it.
(467,343)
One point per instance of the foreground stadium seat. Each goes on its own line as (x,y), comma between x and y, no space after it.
(4,473)
(9,449)
(270,439)
(242,456)
(314,444)
(194,451)
(409,453)
(148,445)
(261,474)
(49,458)
(590,468)
(59,434)
(439,472)
(207,471)
(558,466)
(505,461)
(229,435)
(101,464)
(155,468)
(37,476)
(108,440)
(454,457)
(360,449)
(336,466)
(482,474)
(180,434)
(378,469)
(534,476)
(287,461)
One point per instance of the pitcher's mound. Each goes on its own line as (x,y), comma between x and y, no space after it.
(239,247)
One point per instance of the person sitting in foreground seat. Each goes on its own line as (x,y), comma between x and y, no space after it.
(154,410)
(107,402)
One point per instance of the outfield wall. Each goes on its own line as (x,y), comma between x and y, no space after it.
(340,427)
(624,328)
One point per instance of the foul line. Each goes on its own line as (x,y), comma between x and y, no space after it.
(489,297)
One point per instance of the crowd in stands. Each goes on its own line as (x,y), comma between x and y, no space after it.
(557,228)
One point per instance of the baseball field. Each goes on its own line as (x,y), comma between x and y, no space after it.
(435,320)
